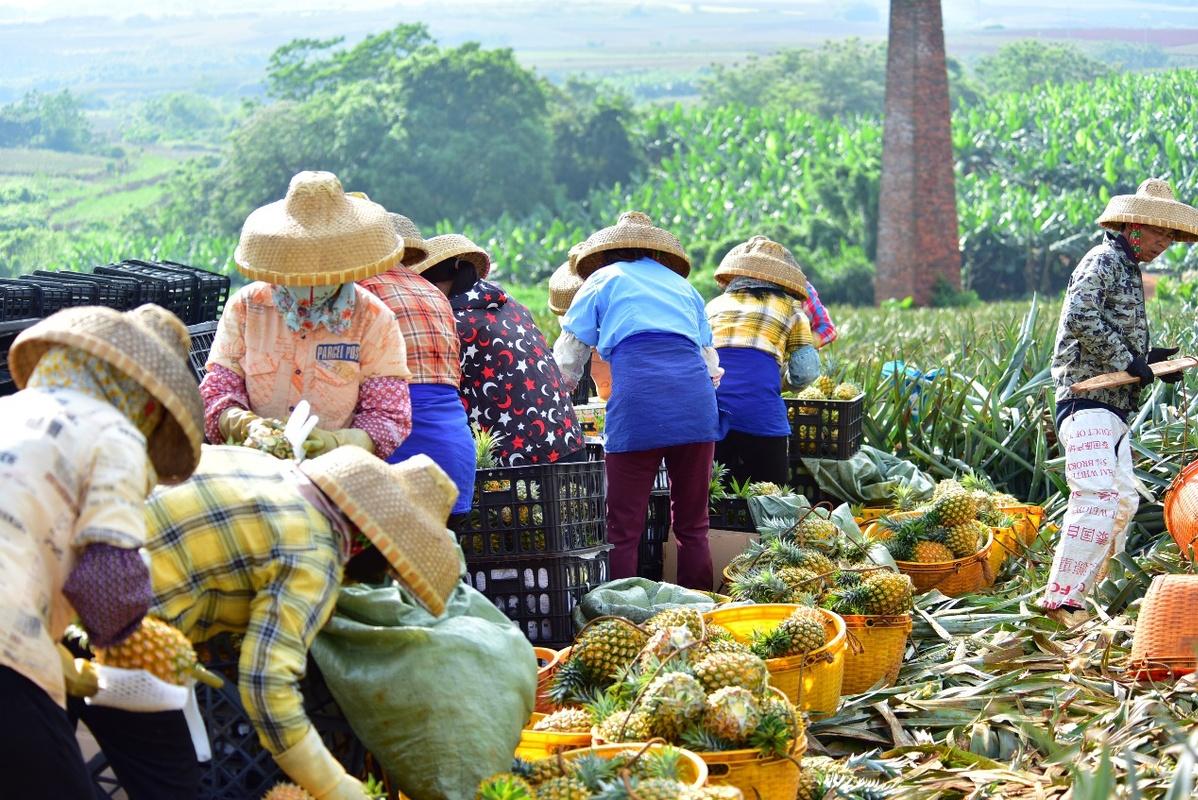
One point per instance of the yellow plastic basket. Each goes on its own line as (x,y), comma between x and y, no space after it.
(542,744)
(692,768)
(881,641)
(1007,545)
(812,681)
(757,778)
(1029,516)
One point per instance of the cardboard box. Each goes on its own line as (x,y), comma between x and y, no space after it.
(725,546)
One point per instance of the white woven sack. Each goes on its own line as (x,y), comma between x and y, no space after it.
(137,690)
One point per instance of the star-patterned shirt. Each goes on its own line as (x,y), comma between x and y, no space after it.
(511,386)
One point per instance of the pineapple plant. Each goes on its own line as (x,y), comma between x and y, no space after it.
(565,720)
(161,650)
(485,445)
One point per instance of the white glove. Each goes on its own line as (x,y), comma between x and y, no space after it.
(712,359)
(137,690)
(717,377)
(571,355)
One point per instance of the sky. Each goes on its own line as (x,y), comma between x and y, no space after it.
(957,13)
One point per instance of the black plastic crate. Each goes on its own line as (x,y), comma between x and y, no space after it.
(7,384)
(65,293)
(110,291)
(212,290)
(825,428)
(651,554)
(535,510)
(538,593)
(176,290)
(202,336)
(19,300)
(661,481)
(731,514)
(804,483)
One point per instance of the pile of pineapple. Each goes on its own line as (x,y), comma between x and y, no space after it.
(678,678)
(954,524)
(634,774)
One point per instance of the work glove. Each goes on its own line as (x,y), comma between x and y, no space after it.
(80,674)
(235,424)
(1139,367)
(320,441)
(1164,354)
(310,764)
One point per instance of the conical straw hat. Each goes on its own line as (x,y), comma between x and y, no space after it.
(453,245)
(633,230)
(150,345)
(413,242)
(1152,204)
(766,260)
(317,236)
(564,283)
(402,509)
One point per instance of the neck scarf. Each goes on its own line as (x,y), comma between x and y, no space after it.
(302,313)
(70,368)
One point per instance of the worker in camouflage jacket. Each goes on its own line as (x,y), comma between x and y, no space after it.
(1104,328)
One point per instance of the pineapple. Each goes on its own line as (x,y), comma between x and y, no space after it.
(887,593)
(653,789)
(485,445)
(608,646)
(955,508)
(845,391)
(812,392)
(566,720)
(947,486)
(663,643)
(541,770)
(720,645)
(926,552)
(563,788)
(732,713)
(826,385)
(904,497)
(673,701)
(766,488)
(800,581)
(688,618)
(714,793)
(267,435)
(287,791)
(626,726)
(762,586)
(505,786)
(806,631)
(732,669)
(814,528)
(962,540)
(159,649)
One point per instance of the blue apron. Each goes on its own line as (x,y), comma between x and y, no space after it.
(441,431)
(750,393)
(661,395)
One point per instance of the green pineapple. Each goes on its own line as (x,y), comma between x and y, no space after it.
(673,701)
(814,528)
(505,786)
(955,508)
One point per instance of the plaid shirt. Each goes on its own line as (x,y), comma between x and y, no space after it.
(771,322)
(237,548)
(822,329)
(426,321)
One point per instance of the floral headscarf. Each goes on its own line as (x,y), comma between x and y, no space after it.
(70,368)
(306,310)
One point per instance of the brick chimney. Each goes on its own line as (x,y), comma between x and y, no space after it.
(917,211)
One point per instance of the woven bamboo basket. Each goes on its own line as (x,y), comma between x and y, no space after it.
(871,513)
(542,744)
(953,578)
(692,768)
(547,661)
(757,778)
(1181,510)
(812,681)
(1165,644)
(883,641)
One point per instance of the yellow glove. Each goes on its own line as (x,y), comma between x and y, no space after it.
(80,674)
(235,423)
(321,441)
(310,764)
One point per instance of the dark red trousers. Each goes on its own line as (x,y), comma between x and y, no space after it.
(629,482)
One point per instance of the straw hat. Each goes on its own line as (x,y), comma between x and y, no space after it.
(453,245)
(413,242)
(765,260)
(317,236)
(150,345)
(1152,204)
(401,508)
(633,230)
(564,283)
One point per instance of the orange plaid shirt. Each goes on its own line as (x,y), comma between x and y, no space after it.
(426,321)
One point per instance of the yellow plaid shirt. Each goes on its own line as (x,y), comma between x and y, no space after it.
(774,323)
(237,548)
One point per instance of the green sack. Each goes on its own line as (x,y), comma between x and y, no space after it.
(869,476)
(439,701)
(636,599)
(779,512)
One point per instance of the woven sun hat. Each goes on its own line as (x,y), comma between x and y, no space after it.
(634,230)
(413,242)
(1152,204)
(765,260)
(564,283)
(401,508)
(150,345)
(453,245)
(317,236)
